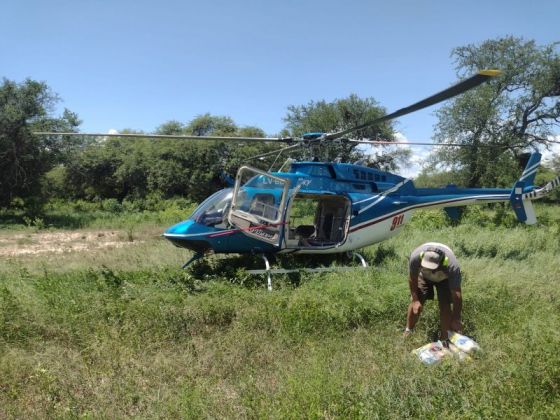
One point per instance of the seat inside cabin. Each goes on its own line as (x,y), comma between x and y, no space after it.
(317,221)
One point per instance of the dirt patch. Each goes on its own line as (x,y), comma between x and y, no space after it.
(60,242)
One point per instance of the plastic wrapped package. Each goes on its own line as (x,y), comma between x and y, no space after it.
(432,353)
(459,346)
(462,342)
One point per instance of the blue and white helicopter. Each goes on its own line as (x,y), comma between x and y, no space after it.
(328,207)
(353,206)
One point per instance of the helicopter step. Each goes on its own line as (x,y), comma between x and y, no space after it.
(270,271)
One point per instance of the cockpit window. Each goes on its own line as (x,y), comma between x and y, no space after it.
(214,209)
(260,195)
(263,205)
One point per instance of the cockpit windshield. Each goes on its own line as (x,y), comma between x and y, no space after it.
(213,210)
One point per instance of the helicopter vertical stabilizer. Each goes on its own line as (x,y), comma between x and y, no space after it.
(521,203)
(530,171)
(523,208)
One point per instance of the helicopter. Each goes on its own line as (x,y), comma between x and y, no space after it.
(317,207)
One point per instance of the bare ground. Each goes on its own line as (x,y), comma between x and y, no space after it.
(39,243)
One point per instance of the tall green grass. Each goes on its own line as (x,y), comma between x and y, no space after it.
(102,214)
(115,335)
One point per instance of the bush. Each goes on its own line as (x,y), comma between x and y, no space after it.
(111,205)
(504,216)
(430,219)
(476,215)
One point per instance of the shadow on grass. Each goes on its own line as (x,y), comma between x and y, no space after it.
(9,220)
(234,269)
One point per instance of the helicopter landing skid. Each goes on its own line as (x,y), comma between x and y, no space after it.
(194,258)
(270,271)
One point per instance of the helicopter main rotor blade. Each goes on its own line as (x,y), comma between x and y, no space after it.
(277,151)
(448,93)
(420,143)
(411,143)
(172,136)
(425,143)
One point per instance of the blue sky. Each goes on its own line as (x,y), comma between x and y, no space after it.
(136,64)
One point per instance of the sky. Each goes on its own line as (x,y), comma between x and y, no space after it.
(137,64)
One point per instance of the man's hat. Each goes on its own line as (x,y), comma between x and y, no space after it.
(431,260)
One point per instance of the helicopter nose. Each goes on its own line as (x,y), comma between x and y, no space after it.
(182,228)
(184,235)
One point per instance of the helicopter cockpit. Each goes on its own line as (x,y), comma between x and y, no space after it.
(269,208)
(213,211)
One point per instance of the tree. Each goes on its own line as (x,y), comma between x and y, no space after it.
(24,158)
(499,120)
(211,125)
(171,127)
(132,168)
(429,178)
(555,163)
(338,115)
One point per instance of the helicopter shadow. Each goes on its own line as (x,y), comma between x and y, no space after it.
(235,269)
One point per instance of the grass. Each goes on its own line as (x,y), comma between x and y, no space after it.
(125,333)
(104,214)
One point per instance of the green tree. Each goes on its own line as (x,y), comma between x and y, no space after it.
(429,178)
(25,158)
(171,127)
(132,168)
(499,120)
(338,115)
(230,154)
(555,163)
(211,125)
(250,132)
(547,172)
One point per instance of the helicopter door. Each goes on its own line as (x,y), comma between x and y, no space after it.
(258,205)
(317,220)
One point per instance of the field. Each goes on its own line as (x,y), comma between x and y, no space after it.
(99,321)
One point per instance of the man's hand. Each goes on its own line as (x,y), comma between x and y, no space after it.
(416,307)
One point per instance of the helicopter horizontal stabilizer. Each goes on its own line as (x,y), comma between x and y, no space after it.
(541,192)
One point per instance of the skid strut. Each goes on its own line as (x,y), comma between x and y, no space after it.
(194,258)
(270,271)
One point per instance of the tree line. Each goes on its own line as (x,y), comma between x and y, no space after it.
(499,121)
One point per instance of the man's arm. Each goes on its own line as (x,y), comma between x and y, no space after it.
(415,306)
(457,300)
(413,285)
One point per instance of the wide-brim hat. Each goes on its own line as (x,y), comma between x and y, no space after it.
(431,260)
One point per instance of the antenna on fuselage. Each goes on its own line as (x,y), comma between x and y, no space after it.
(286,162)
